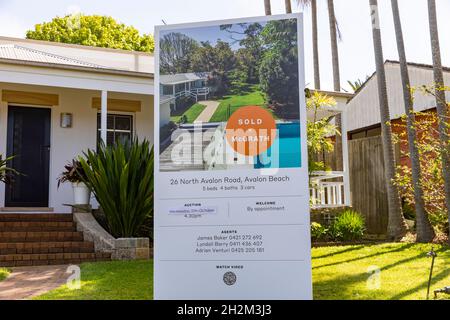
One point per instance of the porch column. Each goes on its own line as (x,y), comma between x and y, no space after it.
(175,100)
(345,159)
(104,117)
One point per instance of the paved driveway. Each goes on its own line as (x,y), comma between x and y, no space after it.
(28,282)
(206,115)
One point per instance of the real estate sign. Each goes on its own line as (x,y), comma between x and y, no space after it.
(231,174)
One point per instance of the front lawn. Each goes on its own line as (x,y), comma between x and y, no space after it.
(254,98)
(338,273)
(342,272)
(191,114)
(4,273)
(110,281)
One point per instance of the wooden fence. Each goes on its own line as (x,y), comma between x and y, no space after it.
(367,181)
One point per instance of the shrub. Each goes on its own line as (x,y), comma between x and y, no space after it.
(166,131)
(121,178)
(318,232)
(6,174)
(348,226)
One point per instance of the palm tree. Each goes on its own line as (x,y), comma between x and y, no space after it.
(267,7)
(441,105)
(334,46)
(336,76)
(288,6)
(315,38)
(397,227)
(425,232)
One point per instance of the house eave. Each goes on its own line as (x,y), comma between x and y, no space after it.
(77,68)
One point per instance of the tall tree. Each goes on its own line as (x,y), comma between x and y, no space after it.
(315,38)
(396,225)
(94,30)
(336,77)
(425,232)
(287,4)
(176,51)
(267,7)
(441,105)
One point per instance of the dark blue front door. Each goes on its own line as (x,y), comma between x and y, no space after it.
(29,141)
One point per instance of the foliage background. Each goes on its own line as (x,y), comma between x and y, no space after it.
(92,30)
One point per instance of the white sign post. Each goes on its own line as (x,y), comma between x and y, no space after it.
(231,176)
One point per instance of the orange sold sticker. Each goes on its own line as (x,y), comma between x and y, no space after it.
(251,130)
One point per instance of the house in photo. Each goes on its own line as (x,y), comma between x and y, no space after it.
(58,100)
(185,85)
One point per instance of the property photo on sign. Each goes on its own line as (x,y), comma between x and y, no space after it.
(229,96)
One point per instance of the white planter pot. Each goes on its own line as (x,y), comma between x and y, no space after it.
(81,194)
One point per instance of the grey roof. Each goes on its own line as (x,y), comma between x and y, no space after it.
(171,79)
(15,52)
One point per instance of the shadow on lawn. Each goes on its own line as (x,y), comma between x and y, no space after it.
(349,249)
(440,276)
(364,276)
(402,248)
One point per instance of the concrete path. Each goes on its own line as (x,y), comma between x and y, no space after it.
(206,115)
(28,282)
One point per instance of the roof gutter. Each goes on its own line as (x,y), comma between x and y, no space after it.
(77,68)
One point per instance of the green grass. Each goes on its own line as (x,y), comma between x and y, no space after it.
(254,98)
(4,273)
(338,273)
(341,272)
(109,281)
(191,114)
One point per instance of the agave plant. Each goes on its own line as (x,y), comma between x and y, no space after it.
(6,174)
(121,178)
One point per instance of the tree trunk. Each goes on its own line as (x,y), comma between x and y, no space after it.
(287,3)
(425,232)
(267,7)
(397,227)
(441,105)
(315,38)
(336,79)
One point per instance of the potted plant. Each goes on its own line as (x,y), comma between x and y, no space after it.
(75,174)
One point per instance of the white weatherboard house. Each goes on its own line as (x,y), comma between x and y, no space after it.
(57,100)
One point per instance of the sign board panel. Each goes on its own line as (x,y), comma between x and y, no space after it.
(231,168)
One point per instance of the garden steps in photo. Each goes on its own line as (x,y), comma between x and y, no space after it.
(44,239)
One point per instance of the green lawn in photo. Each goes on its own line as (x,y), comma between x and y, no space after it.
(115,280)
(254,98)
(191,113)
(4,273)
(339,272)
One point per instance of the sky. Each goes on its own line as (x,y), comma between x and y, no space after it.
(213,34)
(355,49)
